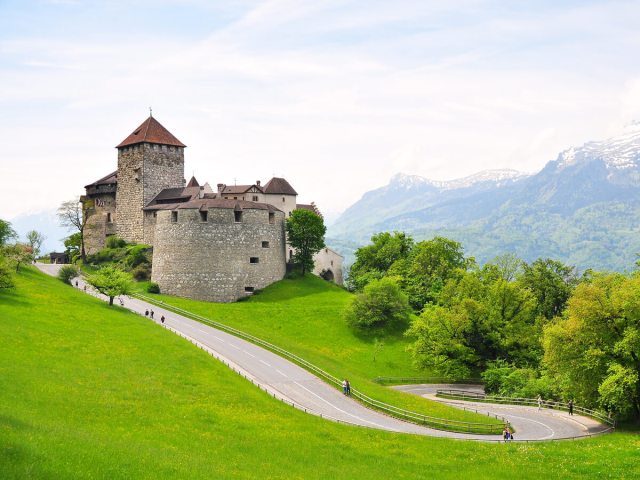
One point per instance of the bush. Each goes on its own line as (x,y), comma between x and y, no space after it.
(6,274)
(68,273)
(381,304)
(153,288)
(113,241)
(142,272)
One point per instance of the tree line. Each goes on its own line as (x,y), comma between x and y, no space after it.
(527,329)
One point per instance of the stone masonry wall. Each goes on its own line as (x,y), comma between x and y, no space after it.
(98,226)
(143,171)
(211,260)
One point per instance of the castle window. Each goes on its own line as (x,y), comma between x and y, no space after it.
(290,254)
(249,289)
(174,217)
(108,217)
(254,260)
(265,244)
(255,198)
(326,250)
(272,217)
(332,263)
(238,216)
(204,215)
(235,198)
(282,199)
(155,214)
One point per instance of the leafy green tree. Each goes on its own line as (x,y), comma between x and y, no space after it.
(72,246)
(381,304)
(430,265)
(6,279)
(593,351)
(374,261)
(19,254)
(111,282)
(6,232)
(305,233)
(551,282)
(35,240)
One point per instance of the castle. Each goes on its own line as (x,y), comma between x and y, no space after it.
(208,245)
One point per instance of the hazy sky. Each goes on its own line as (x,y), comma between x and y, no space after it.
(336,96)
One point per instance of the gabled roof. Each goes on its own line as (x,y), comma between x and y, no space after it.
(311,207)
(151,131)
(110,179)
(279,186)
(235,189)
(193,182)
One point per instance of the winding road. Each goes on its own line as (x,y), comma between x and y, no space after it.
(291,383)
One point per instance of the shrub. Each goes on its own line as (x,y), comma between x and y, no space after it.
(153,288)
(68,273)
(382,303)
(113,241)
(142,272)
(6,277)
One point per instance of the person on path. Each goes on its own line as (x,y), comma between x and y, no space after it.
(151,314)
(146,313)
(571,407)
(344,386)
(505,434)
(85,289)
(348,387)
(76,283)
(121,301)
(162,319)
(539,402)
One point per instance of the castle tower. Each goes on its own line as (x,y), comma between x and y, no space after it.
(149,160)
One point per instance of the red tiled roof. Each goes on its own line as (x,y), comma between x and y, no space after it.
(279,186)
(312,208)
(193,182)
(151,131)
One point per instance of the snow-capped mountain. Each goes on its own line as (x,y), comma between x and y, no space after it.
(583,208)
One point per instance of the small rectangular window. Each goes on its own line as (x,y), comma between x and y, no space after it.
(174,217)
(237,216)
(272,217)
(204,215)
(255,198)
(108,217)
(254,260)
(282,199)
(249,289)
(265,244)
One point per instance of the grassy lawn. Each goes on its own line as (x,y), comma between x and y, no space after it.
(88,391)
(303,316)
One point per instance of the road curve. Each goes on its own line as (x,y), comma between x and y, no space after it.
(291,383)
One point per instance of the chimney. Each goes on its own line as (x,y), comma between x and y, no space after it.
(220,187)
(201,192)
(258,182)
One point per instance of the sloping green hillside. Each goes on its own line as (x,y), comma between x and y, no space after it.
(88,391)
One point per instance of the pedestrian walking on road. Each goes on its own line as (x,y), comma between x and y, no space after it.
(505,434)
(76,283)
(348,388)
(162,319)
(509,434)
(85,289)
(151,314)
(344,386)
(539,402)
(571,407)
(146,313)
(121,301)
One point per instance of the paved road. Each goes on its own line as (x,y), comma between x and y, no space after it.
(291,383)
(529,422)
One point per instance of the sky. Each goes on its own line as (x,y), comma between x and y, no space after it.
(335,96)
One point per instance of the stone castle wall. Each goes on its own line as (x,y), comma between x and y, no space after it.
(100,211)
(143,171)
(212,260)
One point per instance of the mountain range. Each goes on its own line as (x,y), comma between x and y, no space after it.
(582,208)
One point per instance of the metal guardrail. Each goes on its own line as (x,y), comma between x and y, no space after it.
(413,417)
(426,380)
(550,404)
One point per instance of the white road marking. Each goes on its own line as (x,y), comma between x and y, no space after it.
(267,364)
(235,346)
(282,373)
(250,354)
(340,410)
(539,423)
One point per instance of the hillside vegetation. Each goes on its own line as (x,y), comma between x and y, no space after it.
(89,391)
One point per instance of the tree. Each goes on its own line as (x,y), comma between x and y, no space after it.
(72,246)
(551,282)
(19,253)
(6,232)
(71,215)
(111,282)
(68,273)
(305,233)
(374,261)
(6,279)
(35,240)
(381,304)
(593,351)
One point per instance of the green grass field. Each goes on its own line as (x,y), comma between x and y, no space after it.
(304,316)
(88,391)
